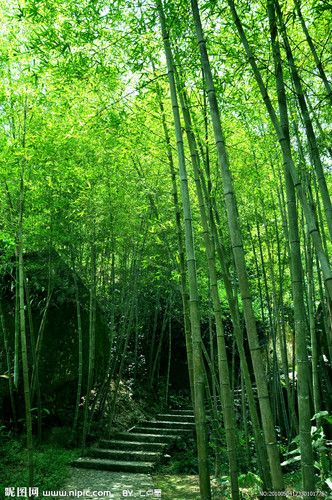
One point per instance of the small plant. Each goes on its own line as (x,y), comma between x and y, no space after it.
(179,399)
(182,462)
(321,446)
(250,480)
(4,432)
(224,483)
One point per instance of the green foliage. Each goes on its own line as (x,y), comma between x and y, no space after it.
(322,449)
(34,415)
(182,462)
(92,144)
(250,485)
(250,479)
(51,464)
(224,483)
(323,414)
(179,399)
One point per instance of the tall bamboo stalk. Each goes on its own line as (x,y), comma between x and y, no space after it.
(198,372)
(182,264)
(26,386)
(318,62)
(296,274)
(33,349)
(232,299)
(9,365)
(237,245)
(80,347)
(287,154)
(224,377)
(311,137)
(17,323)
(92,341)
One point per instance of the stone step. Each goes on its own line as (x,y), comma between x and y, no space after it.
(132,455)
(114,465)
(142,447)
(118,444)
(148,437)
(183,415)
(165,424)
(175,418)
(163,432)
(190,411)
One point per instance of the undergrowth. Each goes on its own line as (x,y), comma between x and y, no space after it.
(50,464)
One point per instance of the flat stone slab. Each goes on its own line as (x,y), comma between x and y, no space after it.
(131,445)
(152,437)
(133,455)
(119,484)
(114,465)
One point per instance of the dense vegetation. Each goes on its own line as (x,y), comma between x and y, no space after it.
(165,209)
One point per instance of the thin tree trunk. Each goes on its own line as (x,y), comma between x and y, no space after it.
(80,348)
(311,314)
(237,245)
(224,377)
(39,344)
(118,380)
(184,291)
(297,283)
(9,365)
(17,325)
(319,126)
(33,349)
(161,338)
(26,386)
(199,406)
(92,341)
(235,315)
(313,51)
(307,122)
(153,337)
(287,155)
(169,350)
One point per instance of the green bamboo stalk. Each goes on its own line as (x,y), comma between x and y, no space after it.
(169,350)
(311,137)
(307,464)
(287,154)
(9,365)
(33,349)
(237,245)
(92,340)
(224,377)
(23,333)
(202,442)
(80,347)
(184,291)
(318,62)
(17,325)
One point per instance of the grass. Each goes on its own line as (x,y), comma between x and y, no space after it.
(182,487)
(179,480)
(51,465)
(186,487)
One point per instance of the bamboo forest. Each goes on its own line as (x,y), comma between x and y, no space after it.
(165,249)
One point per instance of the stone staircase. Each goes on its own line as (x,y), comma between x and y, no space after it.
(237,402)
(143,447)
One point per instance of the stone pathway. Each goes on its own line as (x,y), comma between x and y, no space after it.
(120,467)
(95,484)
(143,447)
